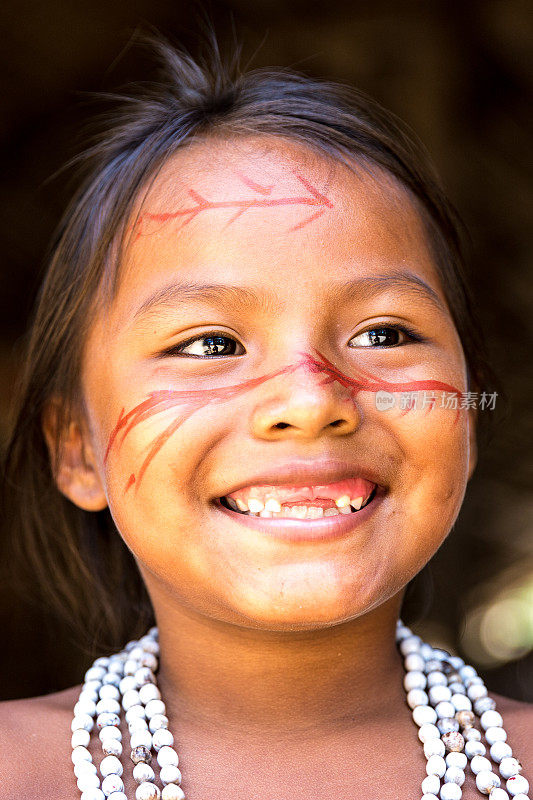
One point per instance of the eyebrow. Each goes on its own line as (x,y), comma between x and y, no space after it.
(246,297)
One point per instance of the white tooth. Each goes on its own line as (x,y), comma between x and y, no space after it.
(298,511)
(345,510)
(272,504)
(232,504)
(265,513)
(314,512)
(331,512)
(255,505)
(340,502)
(241,505)
(357,503)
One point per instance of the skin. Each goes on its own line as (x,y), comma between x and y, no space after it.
(285,648)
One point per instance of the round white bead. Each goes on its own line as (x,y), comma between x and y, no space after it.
(436,765)
(85,705)
(149,692)
(162,738)
(479,764)
(417,697)
(167,755)
(110,765)
(450,791)
(517,785)
(107,718)
(149,660)
(509,767)
(91,686)
(411,644)
(93,794)
(95,674)
(461,702)
(500,750)
(88,780)
(112,678)
(80,738)
(473,749)
(88,694)
(476,690)
(172,792)
(112,783)
(428,731)
(141,737)
(117,796)
(149,644)
(493,735)
(438,693)
(83,767)
(472,735)
(144,675)
(491,719)
(127,683)
(135,711)
(423,715)
(131,667)
(430,797)
(521,796)
(434,747)
(130,698)
(158,721)
(454,775)
(107,706)
(143,772)
(458,760)
(437,679)
(112,747)
(80,753)
(414,662)
(445,709)
(110,732)
(431,784)
(498,794)
(82,721)
(414,680)
(170,774)
(154,707)
(486,779)
(109,692)
(467,671)
(147,791)
(138,724)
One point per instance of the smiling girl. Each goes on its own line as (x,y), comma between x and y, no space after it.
(248,368)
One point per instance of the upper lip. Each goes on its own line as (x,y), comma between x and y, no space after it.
(308,473)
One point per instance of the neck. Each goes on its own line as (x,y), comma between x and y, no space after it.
(279,684)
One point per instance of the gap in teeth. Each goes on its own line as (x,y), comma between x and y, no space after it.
(273,509)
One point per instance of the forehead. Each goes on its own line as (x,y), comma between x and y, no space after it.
(270,207)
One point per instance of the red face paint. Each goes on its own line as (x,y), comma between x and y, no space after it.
(191,401)
(313,198)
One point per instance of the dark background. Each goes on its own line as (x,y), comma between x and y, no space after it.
(461,75)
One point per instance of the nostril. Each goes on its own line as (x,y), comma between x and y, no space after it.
(336,423)
(281,425)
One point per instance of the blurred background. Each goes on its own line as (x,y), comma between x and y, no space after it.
(461,75)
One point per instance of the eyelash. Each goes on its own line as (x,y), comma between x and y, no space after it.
(174,351)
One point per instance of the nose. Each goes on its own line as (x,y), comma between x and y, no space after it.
(304,405)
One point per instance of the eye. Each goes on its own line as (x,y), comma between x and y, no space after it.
(209,345)
(386,336)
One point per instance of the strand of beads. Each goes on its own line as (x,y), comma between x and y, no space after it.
(125,681)
(440,691)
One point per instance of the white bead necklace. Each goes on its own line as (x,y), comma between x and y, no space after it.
(445,695)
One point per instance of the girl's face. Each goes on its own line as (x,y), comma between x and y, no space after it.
(276,311)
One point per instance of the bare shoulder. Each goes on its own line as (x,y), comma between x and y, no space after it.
(40,727)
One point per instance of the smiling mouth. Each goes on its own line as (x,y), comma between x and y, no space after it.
(317,509)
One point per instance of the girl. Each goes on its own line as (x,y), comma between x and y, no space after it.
(248,368)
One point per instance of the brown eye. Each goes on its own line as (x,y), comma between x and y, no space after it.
(385,336)
(206,347)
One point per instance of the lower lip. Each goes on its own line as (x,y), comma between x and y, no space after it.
(307,530)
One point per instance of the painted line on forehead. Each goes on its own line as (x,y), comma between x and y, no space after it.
(313,198)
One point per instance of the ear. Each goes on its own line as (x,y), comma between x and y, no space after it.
(472,429)
(73,462)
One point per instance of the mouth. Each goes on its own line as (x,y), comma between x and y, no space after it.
(303,522)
